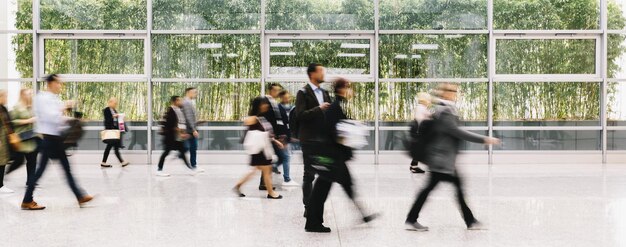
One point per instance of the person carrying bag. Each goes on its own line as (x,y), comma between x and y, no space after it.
(112,133)
(23,119)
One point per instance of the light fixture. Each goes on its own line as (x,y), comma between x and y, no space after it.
(453,36)
(425,46)
(231,55)
(354,46)
(351,55)
(281,44)
(416,56)
(401,56)
(217,55)
(210,45)
(282,53)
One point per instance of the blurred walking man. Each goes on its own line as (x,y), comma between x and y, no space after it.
(191,121)
(51,123)
(441,153)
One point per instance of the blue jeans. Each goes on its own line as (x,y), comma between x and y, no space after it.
(284,155)
(191,144)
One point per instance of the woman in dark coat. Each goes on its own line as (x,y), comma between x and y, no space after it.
(173,137)
(111,123)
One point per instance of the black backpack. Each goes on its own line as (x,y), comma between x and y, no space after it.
(420,136)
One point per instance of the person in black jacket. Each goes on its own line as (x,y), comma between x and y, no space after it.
(111,123)
(311,102)
(338,171)
(174,135)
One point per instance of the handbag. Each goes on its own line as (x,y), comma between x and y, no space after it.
(14,139)
(109,136)
(27,135)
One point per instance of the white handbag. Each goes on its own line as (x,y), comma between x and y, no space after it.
(108,135)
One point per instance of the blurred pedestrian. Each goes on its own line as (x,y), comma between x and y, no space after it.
(50,123)
(259,136)
(191,122)
(441,154)
(174,134)
(5,148)
(23,119)
(422,113)
(274,116)
(285,153)
(338,171)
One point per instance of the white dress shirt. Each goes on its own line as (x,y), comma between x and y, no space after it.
(318,93)
(48,109)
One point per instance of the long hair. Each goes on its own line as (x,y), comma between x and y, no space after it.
(255,106)
(27,102)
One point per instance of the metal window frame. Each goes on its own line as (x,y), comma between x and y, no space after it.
(548,35)
(600,75)
(92,36)
(318,35)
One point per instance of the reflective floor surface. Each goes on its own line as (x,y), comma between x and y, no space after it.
(522,205)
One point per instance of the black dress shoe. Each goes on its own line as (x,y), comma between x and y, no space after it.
(265,188)
(371,217)
(238,192)
(320,228)
(417,170)
(278,197)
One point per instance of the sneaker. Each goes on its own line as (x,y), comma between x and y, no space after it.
(5,190)
(415,227)
(276,171)
(105,165)
(162,174)
(198,169)
(125,163)
(32,206)
(291,184)
(84,202)
(476,226)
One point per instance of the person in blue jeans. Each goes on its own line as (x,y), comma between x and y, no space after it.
(191,121)
(284,154)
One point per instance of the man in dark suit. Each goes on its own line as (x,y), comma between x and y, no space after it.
(441,153)
(311,102)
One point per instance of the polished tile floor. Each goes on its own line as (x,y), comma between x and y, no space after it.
(522,205)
